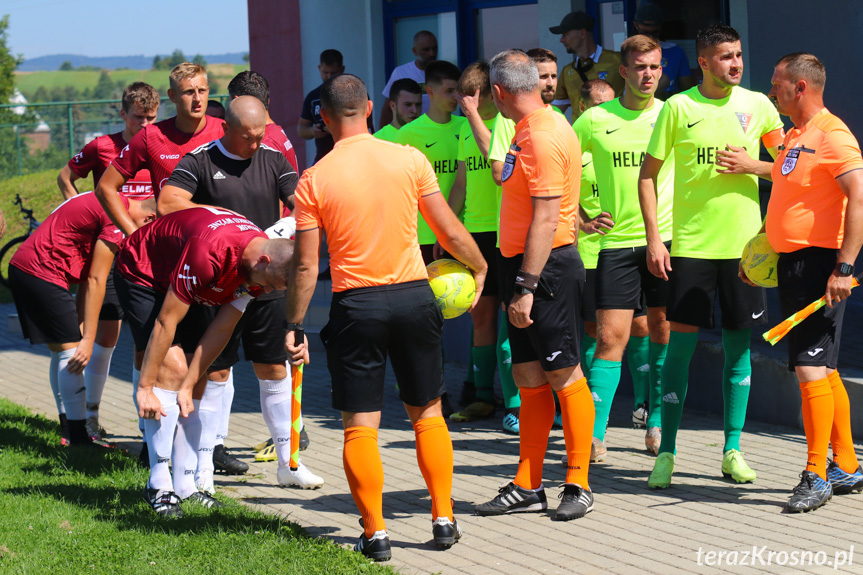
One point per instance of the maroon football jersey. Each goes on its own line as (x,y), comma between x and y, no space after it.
(275,138)
(60,248)
(159,147)
(97,156)
(196,251)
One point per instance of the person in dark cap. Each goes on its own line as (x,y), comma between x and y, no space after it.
(676,73)
(591,61)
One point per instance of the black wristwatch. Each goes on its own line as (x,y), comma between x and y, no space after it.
(521,290)
(293,327)
(844,270)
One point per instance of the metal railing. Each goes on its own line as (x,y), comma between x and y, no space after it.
(51,136)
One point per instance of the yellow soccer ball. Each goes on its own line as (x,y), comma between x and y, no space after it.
(453,286)
(760,262)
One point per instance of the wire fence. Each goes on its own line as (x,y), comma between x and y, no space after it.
(44,135)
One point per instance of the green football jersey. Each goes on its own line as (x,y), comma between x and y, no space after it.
(387,133)
(715,214)
(439,143)
(617,137)
(588,244)
(482,199)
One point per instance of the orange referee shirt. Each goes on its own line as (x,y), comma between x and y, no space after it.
(807,206)
(544,161)
(365,194)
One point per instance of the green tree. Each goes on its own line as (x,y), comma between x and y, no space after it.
(199,60)
(157,62)
(66,66)
(8,62)
(246,57)
(9,151)
(40,95)
(104,87)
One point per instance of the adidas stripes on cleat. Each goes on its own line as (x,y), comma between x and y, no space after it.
(376,548)
(811,493)
(510,421)
(204,499)
(514,499)
(164,503)
(843,482)
(575,502)
(268,453)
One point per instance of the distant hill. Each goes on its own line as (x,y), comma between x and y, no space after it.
(53,61)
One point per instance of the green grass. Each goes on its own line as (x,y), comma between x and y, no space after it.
(28,82)
(39,192)
(77,510)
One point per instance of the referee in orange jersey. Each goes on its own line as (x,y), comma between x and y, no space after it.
(542,279)
(815,223)
(365,193)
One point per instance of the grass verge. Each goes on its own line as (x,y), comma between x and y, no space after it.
(77,510)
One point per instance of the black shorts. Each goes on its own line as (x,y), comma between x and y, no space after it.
(693,284)
(588,296)
(487,242)
(803,279)
(111,308)
(261,330)
(624,282)
(141,306)
(366,325)
(47,312)
(554,337)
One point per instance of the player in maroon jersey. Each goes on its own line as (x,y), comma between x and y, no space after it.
(74,245)
(139,108)
(201,255)
(250,83)
(158,147)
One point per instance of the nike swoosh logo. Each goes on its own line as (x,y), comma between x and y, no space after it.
(430,145)
(611,131)
(815,351)
(693,123)
(757,315)
(587,164)
(553,356)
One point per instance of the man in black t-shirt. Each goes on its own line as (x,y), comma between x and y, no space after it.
(237,172)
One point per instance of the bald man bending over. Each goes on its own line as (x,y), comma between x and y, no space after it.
(237,172)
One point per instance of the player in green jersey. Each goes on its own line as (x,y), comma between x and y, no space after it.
(617,133)
(715,212)
(406,102)
(436,135)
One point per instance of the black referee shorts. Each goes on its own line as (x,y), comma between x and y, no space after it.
(141,307)
(46,311)
(803,279)
(369,324)
(554,337)
(692,288)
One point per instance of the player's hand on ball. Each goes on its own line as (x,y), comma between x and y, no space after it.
(519,310)
(298,354)
(658,260)
(598,225)
(149,406)
(838,288)
(742,275)
(479,280)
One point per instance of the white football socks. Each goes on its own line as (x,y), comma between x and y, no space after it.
(276,409)
(160,437)
(209,411)
(71,387)
(95,376)
(225,414)
(136,377)
(184,456)
(53,377)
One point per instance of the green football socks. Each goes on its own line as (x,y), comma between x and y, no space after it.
(484,361)
(657,360)
(604,379)
(675,379)
(638,358)
(511,398)
(736,376)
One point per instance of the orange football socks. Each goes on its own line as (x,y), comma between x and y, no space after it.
(840,435)
(577,410)
(817,421)
(535,421)
(434,455)
(365,474)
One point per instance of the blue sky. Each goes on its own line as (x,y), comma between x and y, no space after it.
(112,28)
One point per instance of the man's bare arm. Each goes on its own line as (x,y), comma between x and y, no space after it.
(66,182)
(303,276)
(91,298)
(107,190)
(173,199)
(851,184)
(658,259)
(214,340)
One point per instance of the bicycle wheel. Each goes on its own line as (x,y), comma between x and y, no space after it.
(6,253)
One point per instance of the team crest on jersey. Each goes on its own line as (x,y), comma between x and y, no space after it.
(790,161)
(508,166)
(603,75)
(745,120)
